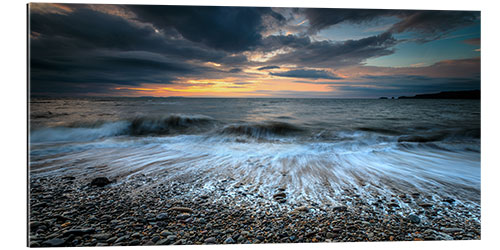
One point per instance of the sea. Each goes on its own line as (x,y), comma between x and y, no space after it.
(316,148)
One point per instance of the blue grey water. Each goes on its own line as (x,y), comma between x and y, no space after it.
(314,147)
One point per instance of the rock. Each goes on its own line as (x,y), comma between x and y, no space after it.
(162,216)
(451,230)
(392,204)
(40,204)
(162,242)
(280,200)
(134,242)
(425,205)
(149,243)
(165,233)
(100,182)
(106,217)
(103,236)
(155,238)
(339,209)
(210,240)
(56,242)
(111,240)
(136,235)
(182,209)
(182,216)
(303,209)
(279,195)
(449,200)
(443,236)
(180,242)
(34,225)
(171,238)
(79,232)
(229,240)
(329,235)
(121,239)
(34,244)
(414,219)
(61,218)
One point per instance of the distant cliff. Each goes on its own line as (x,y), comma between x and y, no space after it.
(469,94)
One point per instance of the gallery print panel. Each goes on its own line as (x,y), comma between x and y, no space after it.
(188,125)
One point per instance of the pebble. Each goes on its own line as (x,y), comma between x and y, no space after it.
(162,242)
(56,242)
(121,239)
(135,242)
(425,205)
(112,216)
(100,182)
(171,238)
(182,216)
(79,232)
(339,208)
(229,240)
(104,236)
(182,209)
(165,233)
(162,216)
(414,219)
(210,240)
(451,230)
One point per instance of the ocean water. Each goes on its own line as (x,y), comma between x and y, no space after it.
(314,148)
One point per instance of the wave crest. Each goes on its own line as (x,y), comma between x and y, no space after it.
(262,130)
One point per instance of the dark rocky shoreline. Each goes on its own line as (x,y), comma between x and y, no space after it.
(68,211)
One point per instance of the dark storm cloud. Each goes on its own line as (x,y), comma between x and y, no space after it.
(323,18)
(337,54)
(101,50)
(88,49)
(232,29)
(434,21)
(269,67)
(310,74)
(235,70)
(86,29)
(274,42)
(425,22)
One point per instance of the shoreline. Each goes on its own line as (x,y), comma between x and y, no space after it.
(68,211)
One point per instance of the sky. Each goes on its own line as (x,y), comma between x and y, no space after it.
(193,51)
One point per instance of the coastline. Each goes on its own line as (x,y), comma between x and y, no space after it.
(68,211)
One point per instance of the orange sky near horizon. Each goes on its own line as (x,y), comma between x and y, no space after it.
(226,87)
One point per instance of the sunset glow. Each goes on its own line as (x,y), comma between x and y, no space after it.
(277,52)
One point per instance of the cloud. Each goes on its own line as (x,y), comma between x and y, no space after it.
(274,42)
(233,29)
(322,18)
(473,41)
(338,54)
(430,24)
(100,49)
(310,74)
(269,67)
(235,70)
(86,50)
(434,22)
